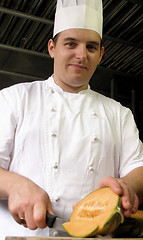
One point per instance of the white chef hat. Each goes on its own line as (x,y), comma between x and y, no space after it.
(87,14)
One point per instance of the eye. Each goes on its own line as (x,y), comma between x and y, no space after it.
(91,47)
(70,44)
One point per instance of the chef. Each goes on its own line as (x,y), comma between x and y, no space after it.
(59,140)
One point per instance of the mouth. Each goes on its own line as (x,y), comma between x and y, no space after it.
(78,66)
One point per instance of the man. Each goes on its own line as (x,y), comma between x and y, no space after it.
(59,140)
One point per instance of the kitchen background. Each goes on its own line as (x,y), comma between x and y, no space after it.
(27,25)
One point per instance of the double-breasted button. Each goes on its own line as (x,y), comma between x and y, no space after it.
(52,91)
(53,109)
(93,114)
(91,169)
(95,139)
(53,134)
(57,199)
(56,165)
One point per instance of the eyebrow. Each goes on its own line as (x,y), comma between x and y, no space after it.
(74,39)
(93,42)
(70,39)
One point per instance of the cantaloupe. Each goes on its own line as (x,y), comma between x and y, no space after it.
(81,229)
(98,213)
(131,227)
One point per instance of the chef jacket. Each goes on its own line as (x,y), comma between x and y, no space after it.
(64,142)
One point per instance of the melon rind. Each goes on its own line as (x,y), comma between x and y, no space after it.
(131,227)
(115,219)
(112,223)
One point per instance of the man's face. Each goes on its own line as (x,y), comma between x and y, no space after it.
(76,55)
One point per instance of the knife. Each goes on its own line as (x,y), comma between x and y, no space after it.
(53,221)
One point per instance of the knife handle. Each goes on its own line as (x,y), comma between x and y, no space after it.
(50,219)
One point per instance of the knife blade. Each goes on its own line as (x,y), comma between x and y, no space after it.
(53,221)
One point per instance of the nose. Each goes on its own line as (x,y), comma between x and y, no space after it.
(81,53)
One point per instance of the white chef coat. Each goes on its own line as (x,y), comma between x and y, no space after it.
(64,142)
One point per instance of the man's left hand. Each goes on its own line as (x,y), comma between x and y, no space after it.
(130,201)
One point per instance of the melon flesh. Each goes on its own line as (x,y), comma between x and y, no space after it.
(138,214)
(80,229)
(99,206)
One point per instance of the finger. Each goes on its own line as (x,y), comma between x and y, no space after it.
(126,195)
(130,201)
(112,183)
(126,199)
(39,215)
(136,204)
(17,219)
(130,204)
(22,222)
(49,205)
(29,219)
(18,216)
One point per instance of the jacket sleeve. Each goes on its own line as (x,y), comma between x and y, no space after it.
(131,147)
(7,126)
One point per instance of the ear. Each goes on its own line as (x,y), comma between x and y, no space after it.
(101,54)
(51,48)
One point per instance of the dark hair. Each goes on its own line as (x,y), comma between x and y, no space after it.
(55,39)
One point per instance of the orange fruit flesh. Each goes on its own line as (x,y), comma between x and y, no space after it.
(138,214)
(96,207)
(81,229)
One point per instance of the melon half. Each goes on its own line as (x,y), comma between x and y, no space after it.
(98,213)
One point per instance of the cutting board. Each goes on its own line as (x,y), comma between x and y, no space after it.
(66,238)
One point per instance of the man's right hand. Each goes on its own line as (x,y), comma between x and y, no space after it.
(26,200)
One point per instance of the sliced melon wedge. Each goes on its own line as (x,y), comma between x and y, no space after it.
(101,207)
(80,229)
